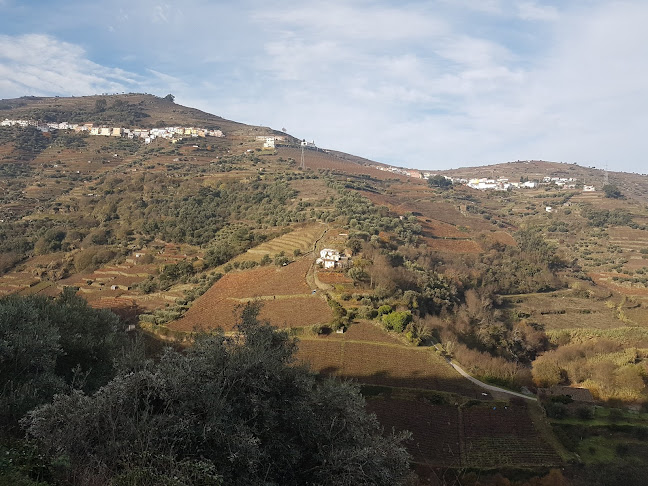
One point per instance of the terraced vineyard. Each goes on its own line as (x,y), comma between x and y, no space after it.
(504,435)
(302,239)
(481,436)
(435,428)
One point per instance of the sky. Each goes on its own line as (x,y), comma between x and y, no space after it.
(432,84)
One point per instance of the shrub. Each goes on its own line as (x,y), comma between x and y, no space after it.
(397,320)
(585,413)
(384,309)
(556,410)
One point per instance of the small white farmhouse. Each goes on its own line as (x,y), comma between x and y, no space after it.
(329,258)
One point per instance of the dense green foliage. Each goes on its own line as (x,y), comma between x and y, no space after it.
(196,218)
(118,113)
(49,346)
(611,191)
(605,217)
(230,410)
(363,216)
(439,181)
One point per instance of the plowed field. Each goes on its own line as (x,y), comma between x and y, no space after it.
(363,331)
(384,364)
(484,436)
(497,436)
(287,300)
(435,428)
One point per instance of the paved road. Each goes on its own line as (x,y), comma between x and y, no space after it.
(487,386)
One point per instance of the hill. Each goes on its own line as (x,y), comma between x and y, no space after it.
(382,276)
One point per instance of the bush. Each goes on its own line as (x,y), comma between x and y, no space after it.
(49,345)
(585,413)
(440,182)
(384,309)
(556,410)
(611,191)
(397,320)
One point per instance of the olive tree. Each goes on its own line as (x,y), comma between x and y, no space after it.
(231,410)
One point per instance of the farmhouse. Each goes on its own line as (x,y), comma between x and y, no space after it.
(330,258)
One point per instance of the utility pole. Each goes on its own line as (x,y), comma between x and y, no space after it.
(302,164)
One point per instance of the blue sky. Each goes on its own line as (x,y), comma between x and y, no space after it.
(424,84)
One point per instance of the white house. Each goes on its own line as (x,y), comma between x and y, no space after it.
(589,189)
(269,143)
(328,258)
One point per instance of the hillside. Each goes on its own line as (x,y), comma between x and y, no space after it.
(179,218)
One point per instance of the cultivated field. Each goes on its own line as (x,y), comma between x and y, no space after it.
(384,364)
(369,331)
(435,428)
(302,239)
(287,300)
(504,435)
(490,435)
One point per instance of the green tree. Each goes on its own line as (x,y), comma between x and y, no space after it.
(612,191)
(439,181)
(48,345)
(170,98)
(232,410)
(100,105)
(397,320)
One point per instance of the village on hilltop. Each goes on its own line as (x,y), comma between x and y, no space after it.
(173,134)
(499,184)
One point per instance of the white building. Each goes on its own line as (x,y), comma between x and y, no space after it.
(329,258)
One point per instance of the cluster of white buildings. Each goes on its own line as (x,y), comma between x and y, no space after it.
(172,134)
(567,182)
(500,184)
(485,183)
(330,258)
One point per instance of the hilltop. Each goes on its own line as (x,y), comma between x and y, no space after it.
(383,276)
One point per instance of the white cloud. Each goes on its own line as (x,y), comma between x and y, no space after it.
(40,65)
(533,11)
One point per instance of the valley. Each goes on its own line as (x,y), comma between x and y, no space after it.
(178,238)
